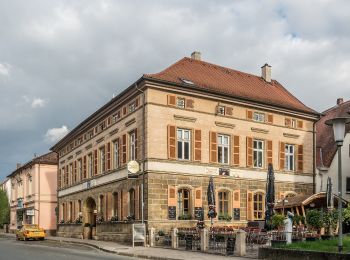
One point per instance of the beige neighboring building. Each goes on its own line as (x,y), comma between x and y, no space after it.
(191,121)
(33,193)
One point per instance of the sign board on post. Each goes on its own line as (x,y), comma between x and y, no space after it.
(138,234)
(30,212)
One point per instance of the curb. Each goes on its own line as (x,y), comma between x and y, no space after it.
(115,252)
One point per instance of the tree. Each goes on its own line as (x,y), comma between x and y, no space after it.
(4,208)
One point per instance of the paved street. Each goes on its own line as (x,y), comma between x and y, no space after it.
(10,249)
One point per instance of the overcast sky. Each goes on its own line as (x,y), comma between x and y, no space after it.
(61,60)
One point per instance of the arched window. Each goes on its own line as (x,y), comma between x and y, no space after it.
(102,206)
(63,216)
(115,204)
(183,202)
(223,203)
(70,211)
(258,206)
(79,206)
(132,202)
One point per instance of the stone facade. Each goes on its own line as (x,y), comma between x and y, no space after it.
(93,180)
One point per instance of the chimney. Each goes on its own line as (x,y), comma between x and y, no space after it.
(340,101)
(266,72)
(18,165)
(196,55)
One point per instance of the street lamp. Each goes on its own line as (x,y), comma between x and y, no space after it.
(338,124)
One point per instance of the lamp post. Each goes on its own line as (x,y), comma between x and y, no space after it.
(338,124)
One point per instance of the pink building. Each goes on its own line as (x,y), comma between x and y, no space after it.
(33,193)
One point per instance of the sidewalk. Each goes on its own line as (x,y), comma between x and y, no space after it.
(139,252)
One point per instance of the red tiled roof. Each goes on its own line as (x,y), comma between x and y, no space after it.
(231,82)
(324,137)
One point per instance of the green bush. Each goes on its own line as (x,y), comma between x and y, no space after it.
(4,208)
(185,217)
(330,220)
(225,216)
(277,221)
(314,219)
(297,219)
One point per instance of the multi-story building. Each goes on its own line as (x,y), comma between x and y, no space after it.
(191,121)
(33,193)
(327,155)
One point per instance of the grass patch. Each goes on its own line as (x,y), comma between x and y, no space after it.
(320,245)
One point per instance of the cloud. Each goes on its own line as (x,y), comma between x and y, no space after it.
(55,134)
(5,69)
(39,103)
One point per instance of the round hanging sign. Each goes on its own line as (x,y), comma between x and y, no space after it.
(133,167)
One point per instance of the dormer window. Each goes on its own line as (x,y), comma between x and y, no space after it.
(186,81)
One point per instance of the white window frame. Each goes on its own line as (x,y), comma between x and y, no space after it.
(288,157)
(102,160)
(257,151)
(132,146)
(182,141)
(259,117)
(221,110)
(89,165)
(116,154)
(180,102)
(223,147)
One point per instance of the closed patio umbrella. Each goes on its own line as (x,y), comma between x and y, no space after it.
(211,200)
(270,196)
(329,193)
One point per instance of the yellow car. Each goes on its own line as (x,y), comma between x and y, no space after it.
(30,232)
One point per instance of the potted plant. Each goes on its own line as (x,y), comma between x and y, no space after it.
(185,217)
(314,222)
(329,220)
(277,222)
(225,217)
(114,218)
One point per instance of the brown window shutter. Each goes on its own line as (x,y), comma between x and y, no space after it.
(189,103)
(124,159)
(198,203)
(67,176)
(249,115)
(213,149)
(109,120)
(136,144)
(300,124)
(137,102)
(282,155)
(229,111)
(171,100)
(249,152)
(288,122)
(84,167)
(124,111)
(236,199)
(171,142)
(235,149)
(108,167)
(197,145)
(59,179)
(250,206)
(300,158)
(270,118)
(269,152)
(95,162)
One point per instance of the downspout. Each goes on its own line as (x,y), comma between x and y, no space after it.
(143,150)
(314,157)
(39,194)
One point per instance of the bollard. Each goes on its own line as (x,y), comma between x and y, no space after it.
(240,246)
(152,237)
(204,239)
(174,239)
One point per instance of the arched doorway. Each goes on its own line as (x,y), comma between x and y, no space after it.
(89,217)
